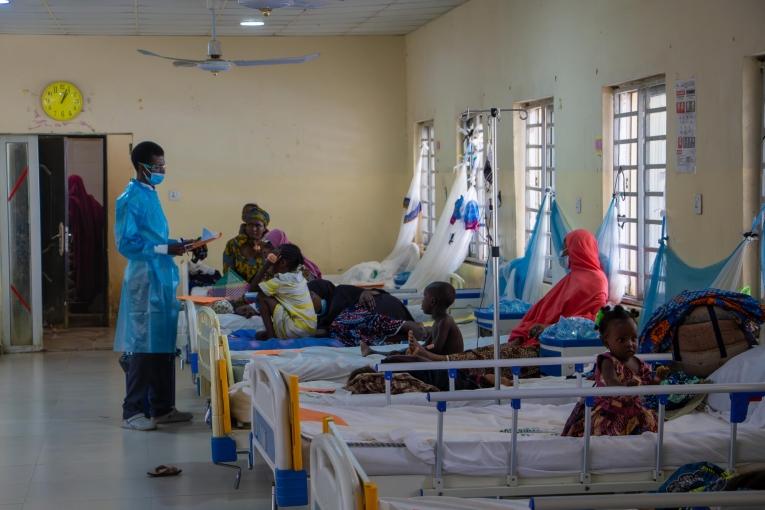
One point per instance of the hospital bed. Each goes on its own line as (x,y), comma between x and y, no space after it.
(189,340)
(323,373)
(226,443)
(334,463)
(281,436)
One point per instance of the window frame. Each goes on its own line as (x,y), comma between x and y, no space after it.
(546,170)
(479,249)
(428,218)
(644,90)
(762,139)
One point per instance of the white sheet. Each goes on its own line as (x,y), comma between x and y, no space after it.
(478,440)
(231,322)
(447,503)
(331,363)
(343,397)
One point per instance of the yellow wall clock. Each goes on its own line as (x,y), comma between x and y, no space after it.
(61,100)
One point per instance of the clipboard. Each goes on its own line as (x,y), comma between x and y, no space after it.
(206,238)
(201,300)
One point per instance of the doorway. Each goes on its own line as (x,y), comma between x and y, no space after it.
(73,231)
(59,275)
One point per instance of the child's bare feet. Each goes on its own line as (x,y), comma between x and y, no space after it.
(414,345)
(365,350)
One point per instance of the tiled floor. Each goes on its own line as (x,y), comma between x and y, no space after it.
(78,339)
(61,446)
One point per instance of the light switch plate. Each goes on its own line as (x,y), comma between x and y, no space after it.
(698,205)
(579,205)
(174,196)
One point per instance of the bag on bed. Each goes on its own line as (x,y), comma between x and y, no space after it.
(703,329)
(708,337)
(231,287)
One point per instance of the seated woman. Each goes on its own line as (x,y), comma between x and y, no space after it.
(581,293)
(353,315)
(617,416)
(277,238)
(244,253)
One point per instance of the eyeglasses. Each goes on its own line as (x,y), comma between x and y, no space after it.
(151,167)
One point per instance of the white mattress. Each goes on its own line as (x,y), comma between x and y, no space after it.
(343,397)
(241,399)
(332,363)
(230,322)
(447,503)
(477,441)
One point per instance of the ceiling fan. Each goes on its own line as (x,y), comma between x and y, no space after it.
(215,63)
(266,6)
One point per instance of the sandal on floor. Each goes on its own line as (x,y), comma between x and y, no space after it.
(163,470)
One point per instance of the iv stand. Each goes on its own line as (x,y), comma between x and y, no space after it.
(494,118)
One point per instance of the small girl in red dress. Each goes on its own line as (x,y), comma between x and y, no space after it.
(617,416)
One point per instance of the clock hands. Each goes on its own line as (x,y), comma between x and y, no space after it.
(66,93)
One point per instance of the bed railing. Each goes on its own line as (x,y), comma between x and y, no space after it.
(368,498)
(672,500)
(516,364)
(740,395)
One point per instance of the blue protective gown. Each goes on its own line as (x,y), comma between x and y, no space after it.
(148,315)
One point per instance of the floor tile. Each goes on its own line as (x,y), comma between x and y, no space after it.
(217,502)
(16,474)
(13,493)
(93,504)
(115,488)
(61,445)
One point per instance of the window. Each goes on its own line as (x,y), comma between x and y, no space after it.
(762,144)
(426,151)
(640,167)
(540,167)
(472,138)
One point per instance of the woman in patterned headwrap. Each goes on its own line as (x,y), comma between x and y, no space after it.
(244,253)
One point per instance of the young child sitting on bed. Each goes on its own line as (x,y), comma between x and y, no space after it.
(617,416)
(284,301)
(444,337)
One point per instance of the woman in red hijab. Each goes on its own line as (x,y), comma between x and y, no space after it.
(86,223)
(581,293)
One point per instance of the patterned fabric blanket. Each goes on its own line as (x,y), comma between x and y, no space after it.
(660,332)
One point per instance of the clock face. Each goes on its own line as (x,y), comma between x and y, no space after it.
(61,100)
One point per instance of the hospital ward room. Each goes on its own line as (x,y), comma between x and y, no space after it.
(382,254)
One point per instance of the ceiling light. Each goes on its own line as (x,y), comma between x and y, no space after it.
(247,23)
(5,2)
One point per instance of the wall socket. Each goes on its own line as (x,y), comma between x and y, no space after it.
(579,205)
(174,196)
(698,204)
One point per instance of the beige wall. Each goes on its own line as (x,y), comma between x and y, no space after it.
(120,171)
(322,146)
(498,52)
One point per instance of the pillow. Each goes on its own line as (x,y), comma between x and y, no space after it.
(747,367)
(240,398)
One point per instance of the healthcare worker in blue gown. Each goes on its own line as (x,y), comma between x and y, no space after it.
(148,313)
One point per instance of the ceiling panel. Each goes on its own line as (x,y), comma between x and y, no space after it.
(192,17)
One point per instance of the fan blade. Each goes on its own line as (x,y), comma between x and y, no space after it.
(276,61)
(176,60)
(185,63)
(276,4)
